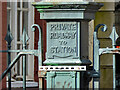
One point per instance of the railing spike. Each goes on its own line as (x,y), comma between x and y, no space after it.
(25,36)
(113,36)
(9,36)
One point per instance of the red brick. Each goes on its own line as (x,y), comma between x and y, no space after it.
(42,24)
(3,29)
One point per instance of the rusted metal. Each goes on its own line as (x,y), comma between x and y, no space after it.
(42,74)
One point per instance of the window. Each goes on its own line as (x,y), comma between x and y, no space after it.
(20,15)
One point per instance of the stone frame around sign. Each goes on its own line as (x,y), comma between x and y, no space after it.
(64,39)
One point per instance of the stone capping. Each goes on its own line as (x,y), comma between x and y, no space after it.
(67,10)
(67,5)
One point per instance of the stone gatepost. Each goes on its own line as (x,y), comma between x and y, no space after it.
(67,42)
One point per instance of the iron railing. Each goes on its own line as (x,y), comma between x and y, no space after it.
(21,53)
(96,53)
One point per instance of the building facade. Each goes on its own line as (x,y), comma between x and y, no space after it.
(20,14)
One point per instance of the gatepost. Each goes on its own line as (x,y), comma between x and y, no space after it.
(67,60)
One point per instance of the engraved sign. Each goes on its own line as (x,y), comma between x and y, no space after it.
(62,40)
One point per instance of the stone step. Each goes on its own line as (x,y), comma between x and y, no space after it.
(19,84)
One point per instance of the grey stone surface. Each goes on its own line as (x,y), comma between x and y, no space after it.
(19,84)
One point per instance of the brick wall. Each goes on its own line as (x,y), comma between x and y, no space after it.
(3,29)
(42,24)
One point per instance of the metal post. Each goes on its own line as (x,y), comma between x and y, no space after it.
(9,61)
(96,61)
(39,51)
(24,63)
(24,39)
(114,37)
(9,39)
